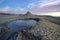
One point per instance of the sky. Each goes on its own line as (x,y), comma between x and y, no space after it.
(34,6)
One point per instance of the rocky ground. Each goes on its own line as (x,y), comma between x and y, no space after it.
(43,30)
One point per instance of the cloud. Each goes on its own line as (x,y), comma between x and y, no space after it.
(30,5)
(51,7)
(7,9)
(56,14)
(1,1)
(47,7)
(33,4)
(50,3)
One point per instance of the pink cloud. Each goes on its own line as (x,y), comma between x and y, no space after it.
(48,7)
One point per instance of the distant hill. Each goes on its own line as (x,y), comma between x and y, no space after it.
(5,14)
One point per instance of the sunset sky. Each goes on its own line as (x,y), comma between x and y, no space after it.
(46,7)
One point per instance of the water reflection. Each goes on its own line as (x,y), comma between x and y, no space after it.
(21,25)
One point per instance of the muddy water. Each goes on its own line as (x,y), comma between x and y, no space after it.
(19,25)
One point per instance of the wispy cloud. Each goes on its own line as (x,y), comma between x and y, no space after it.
(31,5)
(51,7)
(7,9)
(47,7)
(1,1)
